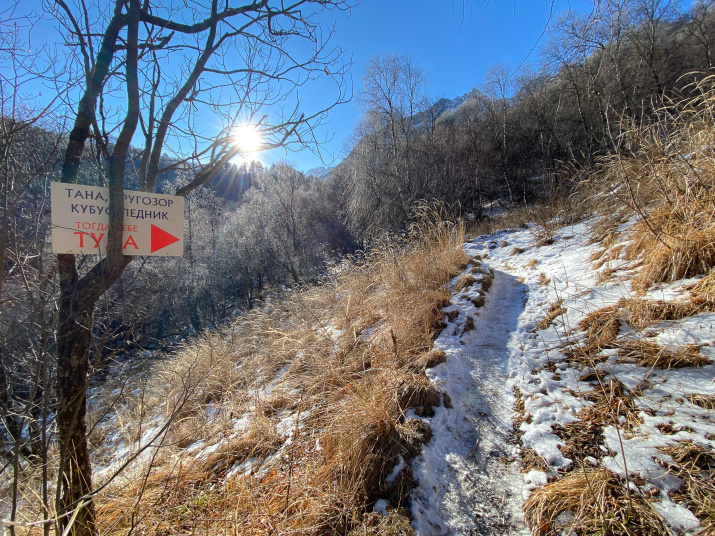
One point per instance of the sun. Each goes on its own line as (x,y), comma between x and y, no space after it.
(248,139)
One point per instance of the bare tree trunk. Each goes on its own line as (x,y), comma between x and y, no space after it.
(79,296)
(74,337)
(78,300)
(80,293)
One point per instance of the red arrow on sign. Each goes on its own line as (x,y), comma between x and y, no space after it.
(160,238)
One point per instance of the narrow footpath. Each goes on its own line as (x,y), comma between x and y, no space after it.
(469,481)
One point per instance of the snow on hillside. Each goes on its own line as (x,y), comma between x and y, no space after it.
(626,409)
(552,376)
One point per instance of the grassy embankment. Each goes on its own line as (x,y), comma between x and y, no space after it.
(290,420)
(664,176)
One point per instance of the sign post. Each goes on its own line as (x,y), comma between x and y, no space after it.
(153,223)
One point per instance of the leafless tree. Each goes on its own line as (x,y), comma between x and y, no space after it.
(383,176)
(29,152)
(702,28)
(497,86)
(166,73)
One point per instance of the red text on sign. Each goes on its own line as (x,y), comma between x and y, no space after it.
(94,237)
(130,242)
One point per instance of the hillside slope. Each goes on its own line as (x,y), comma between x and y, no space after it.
(554,398)
(508,384)
(614,388)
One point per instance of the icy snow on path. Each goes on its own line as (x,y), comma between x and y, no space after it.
(468,483)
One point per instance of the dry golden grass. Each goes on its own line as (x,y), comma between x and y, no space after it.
(199,375)
(695,465)
(644,313)
(648,354)
(611,405)
(675,250)
(544,280)
(427,360)
(479,301)
(28,486)
(666,174)
(544,218)
(606,275)
(602,327)
(605,232)
(395,523)
(601,324)
(463,282)
(600,503)
(477,273)
(530,461)
(512,219)
(555,310)
(580,440)
(599,260)
(704,290)
(486,280)
(609,253)
(704,401)
(519,415)
(531,263)
(342,362)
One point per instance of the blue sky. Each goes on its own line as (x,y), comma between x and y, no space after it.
(454,42)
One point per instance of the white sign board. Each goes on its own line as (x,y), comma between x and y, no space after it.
(153,223)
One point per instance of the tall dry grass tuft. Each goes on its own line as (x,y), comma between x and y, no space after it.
(695,465)
(602,327)
(590,502)
(556,309)
(292,419)
(648,354)
(665,174)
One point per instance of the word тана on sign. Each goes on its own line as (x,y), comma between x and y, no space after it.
(153,223)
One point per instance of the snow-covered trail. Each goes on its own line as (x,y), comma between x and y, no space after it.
(467,481)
